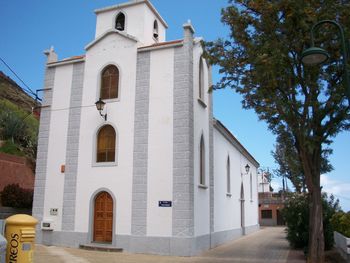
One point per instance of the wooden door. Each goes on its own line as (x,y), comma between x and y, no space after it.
(103,218)
(280,220)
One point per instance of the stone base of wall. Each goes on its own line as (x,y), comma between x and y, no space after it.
(173,246)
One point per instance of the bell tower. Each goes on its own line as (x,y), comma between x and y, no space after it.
(137,18)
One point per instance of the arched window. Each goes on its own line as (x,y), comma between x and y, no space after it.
(202,162)
(109,82)
(120,22)
(155,29)
(228,174)
(201,79)
(106,144)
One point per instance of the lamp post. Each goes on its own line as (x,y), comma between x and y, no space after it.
(316,55)
(100,104)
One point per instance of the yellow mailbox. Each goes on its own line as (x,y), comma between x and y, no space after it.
(20,235)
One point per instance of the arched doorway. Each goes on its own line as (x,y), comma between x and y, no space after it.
(242,210)
(103,218)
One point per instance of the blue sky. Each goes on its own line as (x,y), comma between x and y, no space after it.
(29,27)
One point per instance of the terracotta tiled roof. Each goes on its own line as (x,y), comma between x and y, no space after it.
(69,59)
(75,57)
(163,44)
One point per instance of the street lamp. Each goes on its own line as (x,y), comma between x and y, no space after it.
(247,167)
(100,104)
(316,55)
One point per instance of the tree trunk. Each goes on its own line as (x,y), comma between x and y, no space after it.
(316,236)
(311,165)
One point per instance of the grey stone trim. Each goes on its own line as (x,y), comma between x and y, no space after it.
(183,140)
(183,246)
(43,145)
(74,239)
(72,150)
(211,153)
(139,183)
(202,243)
(61,238)
(222,237)
(251,229)
(173,246)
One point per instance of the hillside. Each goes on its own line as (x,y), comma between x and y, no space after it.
(18,124)
(11,91)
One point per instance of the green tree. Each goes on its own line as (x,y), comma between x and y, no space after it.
(286,156)
(19,129)
(341,223)
(288,160)
(296,215)
(261,60)
(15,196)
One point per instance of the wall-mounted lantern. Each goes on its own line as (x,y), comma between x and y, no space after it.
(100,104)
(247,168)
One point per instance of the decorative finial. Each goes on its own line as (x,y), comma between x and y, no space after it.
(51,55)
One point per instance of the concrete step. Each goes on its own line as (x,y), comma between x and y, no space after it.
(100,247)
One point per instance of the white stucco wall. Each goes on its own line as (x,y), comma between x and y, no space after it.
(227,209)
(57,144)
(201,127)
(148,28)
(251,198)
(138,23)
(117,50)
(227,214)
(160,147)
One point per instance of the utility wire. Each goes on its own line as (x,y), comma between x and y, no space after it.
(28,90)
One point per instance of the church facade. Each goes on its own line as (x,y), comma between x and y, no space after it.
(152,171)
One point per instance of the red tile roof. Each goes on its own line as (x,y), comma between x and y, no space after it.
(68,59)
(163,44)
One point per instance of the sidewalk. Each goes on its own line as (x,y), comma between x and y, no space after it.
(267,245)
(296,256)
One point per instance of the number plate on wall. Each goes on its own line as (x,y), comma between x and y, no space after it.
(164,203)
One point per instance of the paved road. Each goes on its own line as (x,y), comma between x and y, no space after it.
(267,245)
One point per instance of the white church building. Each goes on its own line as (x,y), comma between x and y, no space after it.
(151,172)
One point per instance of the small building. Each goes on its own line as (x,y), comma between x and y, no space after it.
(152,171)
(270,203)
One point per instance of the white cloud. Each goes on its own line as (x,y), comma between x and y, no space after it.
(276,186)
(339,189)
(333,186)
